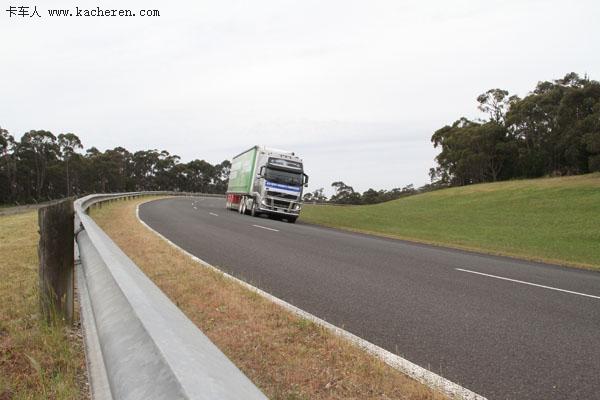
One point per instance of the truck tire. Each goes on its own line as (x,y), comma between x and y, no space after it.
(291,220)
(240,205)
(253,209)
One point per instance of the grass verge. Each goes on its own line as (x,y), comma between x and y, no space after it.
(285,356)
(37,361)
(554,220)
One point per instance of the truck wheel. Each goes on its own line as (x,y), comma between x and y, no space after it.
(291,220)
(253,209)
(240,205)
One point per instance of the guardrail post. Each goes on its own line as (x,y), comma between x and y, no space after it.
(55,251)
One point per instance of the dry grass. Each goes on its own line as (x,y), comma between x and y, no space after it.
(36,361)
(285,356)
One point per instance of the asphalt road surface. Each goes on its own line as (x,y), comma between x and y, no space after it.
(503,328)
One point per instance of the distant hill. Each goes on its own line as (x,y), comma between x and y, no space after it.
(551,219)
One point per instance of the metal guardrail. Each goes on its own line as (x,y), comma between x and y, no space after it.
(139,345)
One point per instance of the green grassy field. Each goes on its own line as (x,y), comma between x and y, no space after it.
(554,220)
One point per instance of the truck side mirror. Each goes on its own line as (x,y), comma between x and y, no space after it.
(305,180)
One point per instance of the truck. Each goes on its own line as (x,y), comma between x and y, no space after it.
(266,181)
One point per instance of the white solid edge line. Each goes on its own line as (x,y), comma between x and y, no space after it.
(426,377)
(528,283)
(264,227)
(212,213)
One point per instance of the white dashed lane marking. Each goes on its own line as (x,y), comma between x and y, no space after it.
(528,283)
(264,227)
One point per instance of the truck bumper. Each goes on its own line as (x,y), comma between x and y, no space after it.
(268,207)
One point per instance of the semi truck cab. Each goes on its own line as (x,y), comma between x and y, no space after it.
(267,181)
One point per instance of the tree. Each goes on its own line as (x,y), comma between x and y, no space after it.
(318,195)
(495,103)
(201,175)
(344,194)
(591,138)
(4,140)
(222,171)
(472,152)
(549,126)
(7,166)
(551,131)
(164,170)
(68,143)
(41,166)
(38,149)
(144,168)
(372,196)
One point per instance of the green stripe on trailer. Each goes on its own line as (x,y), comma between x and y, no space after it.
(242,170)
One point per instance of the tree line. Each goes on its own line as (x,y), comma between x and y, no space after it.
(41,166)
(345,194)
(553,131)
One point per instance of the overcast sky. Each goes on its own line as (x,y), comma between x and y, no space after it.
(356,88)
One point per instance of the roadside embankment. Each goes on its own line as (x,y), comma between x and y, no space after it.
(554,220)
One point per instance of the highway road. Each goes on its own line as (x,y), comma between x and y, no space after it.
(503,328)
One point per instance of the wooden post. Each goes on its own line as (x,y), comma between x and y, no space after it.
(55,252)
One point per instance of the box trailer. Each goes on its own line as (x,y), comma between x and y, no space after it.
(266,181)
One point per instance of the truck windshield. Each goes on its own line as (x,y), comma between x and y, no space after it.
(283,177)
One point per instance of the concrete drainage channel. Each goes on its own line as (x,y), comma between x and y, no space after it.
(139,345)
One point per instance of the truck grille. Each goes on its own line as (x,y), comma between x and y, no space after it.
(282,195)
(281,204)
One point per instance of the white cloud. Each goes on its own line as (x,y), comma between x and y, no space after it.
(355,87)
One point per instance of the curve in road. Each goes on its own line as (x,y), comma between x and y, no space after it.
(504,328)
